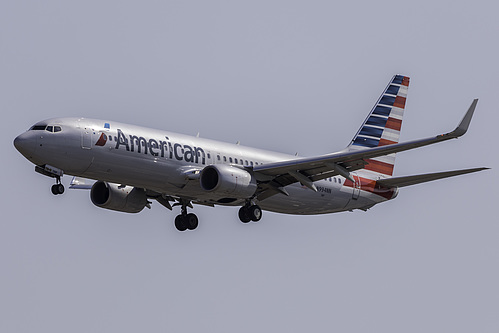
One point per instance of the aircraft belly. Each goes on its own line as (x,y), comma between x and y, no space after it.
(304,201)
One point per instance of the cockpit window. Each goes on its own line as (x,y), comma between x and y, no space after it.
(49,128)
(38,127)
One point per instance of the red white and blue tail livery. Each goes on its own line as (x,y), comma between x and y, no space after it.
(126,166)
(382,125)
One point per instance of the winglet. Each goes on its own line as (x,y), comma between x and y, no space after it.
(462,128)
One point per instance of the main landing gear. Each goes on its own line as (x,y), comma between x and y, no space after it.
(189,221)
(249,213)
(186,221)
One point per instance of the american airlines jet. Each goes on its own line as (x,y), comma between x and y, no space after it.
(132,165)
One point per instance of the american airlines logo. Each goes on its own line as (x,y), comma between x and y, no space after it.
(102,140)
(159,148)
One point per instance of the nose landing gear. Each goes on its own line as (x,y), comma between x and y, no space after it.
(57,188)
(50,171)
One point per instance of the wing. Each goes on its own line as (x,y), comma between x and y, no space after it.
(273,177)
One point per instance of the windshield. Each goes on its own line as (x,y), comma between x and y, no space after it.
(44,127)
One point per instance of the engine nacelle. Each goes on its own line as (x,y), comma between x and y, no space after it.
(227,181)
(126,199)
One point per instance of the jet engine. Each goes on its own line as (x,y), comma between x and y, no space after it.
(126,199)
(227,181)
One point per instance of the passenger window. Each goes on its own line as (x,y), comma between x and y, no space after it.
(209,156)
(49,129)
(251,162)
(247,162)
(225,159)
(235,160)
(57,128)
(230,159)
(218,157)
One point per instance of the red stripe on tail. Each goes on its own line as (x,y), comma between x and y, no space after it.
(381,167)
(394,124)
(399,102)
(385,142)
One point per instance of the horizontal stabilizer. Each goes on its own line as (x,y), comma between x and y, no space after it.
(417,179)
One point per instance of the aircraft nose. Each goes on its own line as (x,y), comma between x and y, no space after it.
(25,144)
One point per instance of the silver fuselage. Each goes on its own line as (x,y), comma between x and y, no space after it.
(167,163)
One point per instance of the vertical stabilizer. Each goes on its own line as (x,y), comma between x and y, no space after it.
(382,126)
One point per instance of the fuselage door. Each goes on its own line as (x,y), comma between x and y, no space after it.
(356,186)
(86,136)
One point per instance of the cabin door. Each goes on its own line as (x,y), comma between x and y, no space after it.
(86,136)
(356,186)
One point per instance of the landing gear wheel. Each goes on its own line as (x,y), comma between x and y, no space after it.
(243,215)
(180,223)
(191,221)
(254,213)
(57,189)
(185,221)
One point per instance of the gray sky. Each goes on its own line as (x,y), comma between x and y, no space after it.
(282,75)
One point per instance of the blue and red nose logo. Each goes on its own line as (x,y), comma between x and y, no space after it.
(102,140)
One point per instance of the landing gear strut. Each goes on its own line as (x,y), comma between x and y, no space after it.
(250,213)
(50,171)
(57,188)
(186,221)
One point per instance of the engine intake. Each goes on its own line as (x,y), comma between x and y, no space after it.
(227,181)
(126,199)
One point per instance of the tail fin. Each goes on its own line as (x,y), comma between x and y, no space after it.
(382,125)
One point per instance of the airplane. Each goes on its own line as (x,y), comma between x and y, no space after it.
(132,165)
